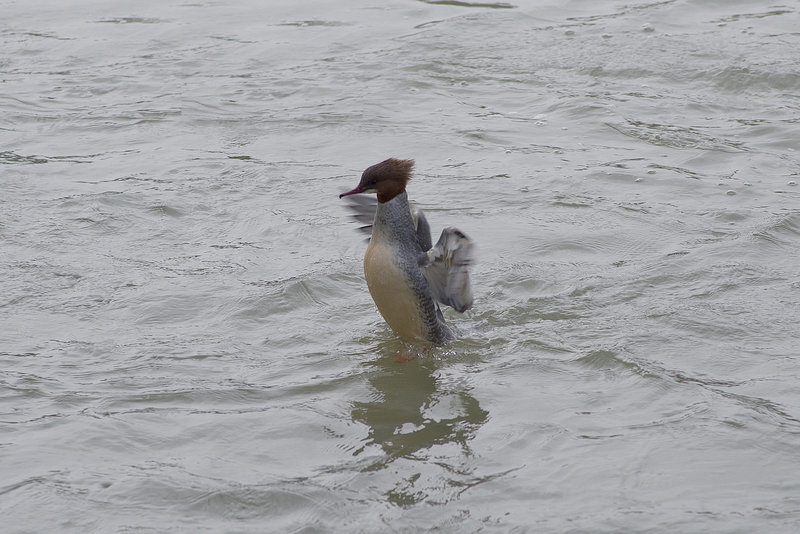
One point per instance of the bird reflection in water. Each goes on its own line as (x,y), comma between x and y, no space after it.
(417,414)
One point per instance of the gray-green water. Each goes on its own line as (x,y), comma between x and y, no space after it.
(186,339)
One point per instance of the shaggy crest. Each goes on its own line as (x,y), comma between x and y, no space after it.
(387,178)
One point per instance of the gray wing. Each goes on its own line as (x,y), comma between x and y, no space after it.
(423,230)
(447,269)
(364,208)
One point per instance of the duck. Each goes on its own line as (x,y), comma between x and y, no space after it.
(407,276)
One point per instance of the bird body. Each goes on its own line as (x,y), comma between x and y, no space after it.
(392,267)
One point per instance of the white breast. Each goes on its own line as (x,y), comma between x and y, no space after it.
(391,291)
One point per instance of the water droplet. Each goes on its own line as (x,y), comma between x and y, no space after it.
(791,182)
(730,192)
(569,32)
(606,36)
(651,171)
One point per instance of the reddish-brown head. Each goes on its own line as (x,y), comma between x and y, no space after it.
(387,178)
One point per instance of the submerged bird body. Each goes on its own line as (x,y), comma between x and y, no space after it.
(405,275)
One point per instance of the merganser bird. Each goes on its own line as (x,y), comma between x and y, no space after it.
(406,276)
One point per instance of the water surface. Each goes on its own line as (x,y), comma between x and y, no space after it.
(186,339)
